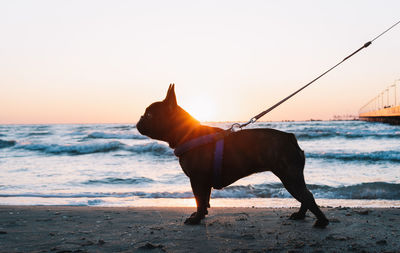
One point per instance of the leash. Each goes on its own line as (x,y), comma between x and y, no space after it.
(218,138)
(237,126)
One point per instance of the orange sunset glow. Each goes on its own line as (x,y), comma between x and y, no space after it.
(105,61)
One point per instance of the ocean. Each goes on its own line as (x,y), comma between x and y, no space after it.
(348,163)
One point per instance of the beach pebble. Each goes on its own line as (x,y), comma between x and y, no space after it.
(156,228)
(354,247)
(248,237)
(315,244)
(299,245)
(334,220)
(364,212)
(87,243)
(336,237)
(241,219)
(43,220)
(381,242)
(151,246)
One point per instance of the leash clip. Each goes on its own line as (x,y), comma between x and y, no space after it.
(237,127)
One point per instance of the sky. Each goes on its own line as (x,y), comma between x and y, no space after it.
(106,61)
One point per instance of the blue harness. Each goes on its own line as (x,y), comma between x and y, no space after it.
(218,138)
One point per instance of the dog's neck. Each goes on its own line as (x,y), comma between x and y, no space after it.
(187,128)
(181,136)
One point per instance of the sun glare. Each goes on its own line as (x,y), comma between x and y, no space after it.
(202,109)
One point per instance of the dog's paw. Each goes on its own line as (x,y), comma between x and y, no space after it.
(297,216)
(321,223)
(193,220)
(195,213)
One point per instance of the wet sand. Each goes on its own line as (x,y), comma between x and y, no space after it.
(132,229)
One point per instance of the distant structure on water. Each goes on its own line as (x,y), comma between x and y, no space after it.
(344,117)
(385,107)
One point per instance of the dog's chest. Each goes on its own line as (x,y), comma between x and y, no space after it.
(197,161)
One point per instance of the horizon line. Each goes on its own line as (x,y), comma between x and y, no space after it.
(132,123)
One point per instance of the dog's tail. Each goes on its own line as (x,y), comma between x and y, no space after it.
(300,152)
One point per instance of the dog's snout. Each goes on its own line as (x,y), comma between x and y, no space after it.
(142,118)
(139,125)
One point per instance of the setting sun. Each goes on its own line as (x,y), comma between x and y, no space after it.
(201,108)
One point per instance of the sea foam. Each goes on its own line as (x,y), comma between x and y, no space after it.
(392,156)
(153,148)
(6,144)
(368,191)
(105,135)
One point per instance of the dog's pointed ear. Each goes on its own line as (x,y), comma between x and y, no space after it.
(170,99)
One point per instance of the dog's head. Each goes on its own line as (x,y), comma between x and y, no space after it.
(161,120)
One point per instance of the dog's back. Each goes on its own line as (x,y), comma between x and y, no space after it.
(256,150)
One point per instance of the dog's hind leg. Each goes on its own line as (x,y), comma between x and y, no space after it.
(296,186)
(309,201)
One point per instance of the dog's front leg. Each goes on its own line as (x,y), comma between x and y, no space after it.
(201,191)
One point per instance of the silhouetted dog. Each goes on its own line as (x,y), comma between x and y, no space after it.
(244,152)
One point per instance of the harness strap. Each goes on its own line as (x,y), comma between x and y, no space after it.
(199,141)
(202,140)
(218,158)
(218,138)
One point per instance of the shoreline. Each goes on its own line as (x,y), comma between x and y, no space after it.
(161,229)
(190,202)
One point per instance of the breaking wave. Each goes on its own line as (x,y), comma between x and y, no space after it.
(78,149)
(367,191)
(153,148)
(39,133)
(123,127)
(311,135)
(375,190)
(103,135)
(6,144)
(376,156)
(119,181)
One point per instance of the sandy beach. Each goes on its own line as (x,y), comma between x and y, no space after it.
(161,229)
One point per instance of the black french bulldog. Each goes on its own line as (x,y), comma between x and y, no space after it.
(244,152)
